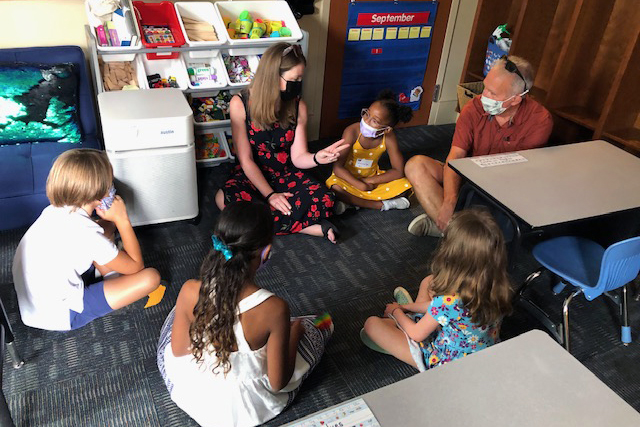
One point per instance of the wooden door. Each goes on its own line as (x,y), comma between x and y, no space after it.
(330,124)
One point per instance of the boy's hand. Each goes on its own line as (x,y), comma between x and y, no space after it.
(117,213)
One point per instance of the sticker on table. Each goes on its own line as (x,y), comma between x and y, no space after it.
(351,414)
(498,160)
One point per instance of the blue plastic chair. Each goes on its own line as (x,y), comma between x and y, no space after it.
(592,270)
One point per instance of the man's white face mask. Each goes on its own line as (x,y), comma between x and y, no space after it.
(493,107)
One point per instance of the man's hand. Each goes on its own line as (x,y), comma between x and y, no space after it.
(444,215)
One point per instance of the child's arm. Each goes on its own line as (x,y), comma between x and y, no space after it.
(397,163)
(129,260)
(416,307)
(187,299)
(349,135)
(416,331)
(282,344)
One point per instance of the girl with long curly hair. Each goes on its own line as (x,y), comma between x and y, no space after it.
(459,307)
(229,353)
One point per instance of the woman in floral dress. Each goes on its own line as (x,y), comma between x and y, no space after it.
(268,122)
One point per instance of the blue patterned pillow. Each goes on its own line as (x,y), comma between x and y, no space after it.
(38,103)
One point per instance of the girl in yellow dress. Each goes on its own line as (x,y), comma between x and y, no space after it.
(357,180)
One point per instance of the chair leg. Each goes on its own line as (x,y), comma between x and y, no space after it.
(626,329)
(559,287)
(565,317)
(530,278)
(9,338)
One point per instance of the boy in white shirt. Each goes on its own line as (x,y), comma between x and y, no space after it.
(54,266)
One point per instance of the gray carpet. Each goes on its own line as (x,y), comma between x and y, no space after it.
(105,373)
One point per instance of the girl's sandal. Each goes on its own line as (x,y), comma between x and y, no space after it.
(327,225)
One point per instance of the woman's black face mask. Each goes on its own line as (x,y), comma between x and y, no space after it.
(294,89)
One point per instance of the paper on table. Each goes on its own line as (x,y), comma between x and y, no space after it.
(498,159)
(350,414)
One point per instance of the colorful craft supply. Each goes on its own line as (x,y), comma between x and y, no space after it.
(210,109)
(238,69)
(156,81)
(323,321)
(245,27)
(208,147)
(158,34)
(202,74)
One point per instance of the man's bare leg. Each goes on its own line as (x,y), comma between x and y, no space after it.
(425,175)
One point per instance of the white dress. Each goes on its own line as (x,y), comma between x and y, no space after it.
(244,397)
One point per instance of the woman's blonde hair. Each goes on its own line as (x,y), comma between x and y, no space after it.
(265,105)
(78,177)
(471,260)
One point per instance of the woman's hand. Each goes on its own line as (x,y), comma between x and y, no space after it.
(279,201)
(331,153)
(389,309)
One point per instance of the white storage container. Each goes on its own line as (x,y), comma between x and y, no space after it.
(202,137)
(148,137)
(95,22)
(215,62)
(201,11)
(269,10)
(166,67)
(253,61)
(139,69)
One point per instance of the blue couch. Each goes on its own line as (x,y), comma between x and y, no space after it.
(24,167)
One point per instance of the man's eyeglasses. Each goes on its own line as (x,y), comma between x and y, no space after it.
(297,50)
(513,68)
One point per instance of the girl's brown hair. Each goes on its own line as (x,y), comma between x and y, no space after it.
(265,105)
(471,260)
(244,228)
(78,177)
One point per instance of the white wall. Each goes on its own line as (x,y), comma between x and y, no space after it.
(452,60)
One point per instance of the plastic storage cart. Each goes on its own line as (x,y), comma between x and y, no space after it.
(148,136)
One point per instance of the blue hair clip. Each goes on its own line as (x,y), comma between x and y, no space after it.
(221,247)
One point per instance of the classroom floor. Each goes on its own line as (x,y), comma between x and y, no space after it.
(106,373)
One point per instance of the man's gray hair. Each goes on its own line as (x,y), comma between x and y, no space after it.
(525,68)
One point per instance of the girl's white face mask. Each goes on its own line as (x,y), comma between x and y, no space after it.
(369,131)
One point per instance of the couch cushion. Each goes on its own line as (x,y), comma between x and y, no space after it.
(16,173)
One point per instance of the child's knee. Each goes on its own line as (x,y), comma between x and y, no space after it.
(371,324)
(151,278)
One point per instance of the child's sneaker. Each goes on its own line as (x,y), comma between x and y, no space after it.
(402,296)
(369,343)
(397,203)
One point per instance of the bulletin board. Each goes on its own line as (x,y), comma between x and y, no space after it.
(387,47)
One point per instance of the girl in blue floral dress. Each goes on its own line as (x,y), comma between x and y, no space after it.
(459,307)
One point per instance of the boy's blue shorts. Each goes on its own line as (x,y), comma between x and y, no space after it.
(95,303)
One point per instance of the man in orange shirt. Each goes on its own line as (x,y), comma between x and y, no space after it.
(503,119)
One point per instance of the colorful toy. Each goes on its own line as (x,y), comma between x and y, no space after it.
(211,109)
(258,30)
(202,74)
(156,81)
(245,27)
(238,69)
(208,147)
(323,321)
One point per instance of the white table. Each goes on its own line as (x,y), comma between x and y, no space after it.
(526,381)
(560,184)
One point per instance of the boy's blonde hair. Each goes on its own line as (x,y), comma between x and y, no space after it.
(265,105)
(78,177)
(471,260)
